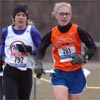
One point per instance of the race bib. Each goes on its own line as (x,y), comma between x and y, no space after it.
(66,53)
(19,61)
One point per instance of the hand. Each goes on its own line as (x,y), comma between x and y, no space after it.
(79,59)
(24,48)
(39,69)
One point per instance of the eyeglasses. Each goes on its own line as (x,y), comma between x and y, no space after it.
(64,14)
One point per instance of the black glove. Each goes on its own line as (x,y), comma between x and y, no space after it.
(79,59)
(39,69)
(24,48)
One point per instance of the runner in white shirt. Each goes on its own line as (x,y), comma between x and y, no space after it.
(19,44)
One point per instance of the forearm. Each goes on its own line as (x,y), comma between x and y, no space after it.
(91,51)
(89,42)
(46,41)
(40,54)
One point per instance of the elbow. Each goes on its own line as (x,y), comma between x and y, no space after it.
(91,52)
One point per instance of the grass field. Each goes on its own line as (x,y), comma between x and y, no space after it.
(44,90)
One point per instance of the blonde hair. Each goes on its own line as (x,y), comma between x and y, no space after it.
(58,5)
(30,22)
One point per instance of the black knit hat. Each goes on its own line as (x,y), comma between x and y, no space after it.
(21,7)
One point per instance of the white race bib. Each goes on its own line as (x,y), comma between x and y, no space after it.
(19,61)
(66,53)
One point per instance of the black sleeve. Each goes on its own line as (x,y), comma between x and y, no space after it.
(46,41)
(89,42)
(1,62)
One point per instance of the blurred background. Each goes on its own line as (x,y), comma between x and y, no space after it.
(86,13)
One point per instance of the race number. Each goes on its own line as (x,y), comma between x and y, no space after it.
(66,53)
(19,59)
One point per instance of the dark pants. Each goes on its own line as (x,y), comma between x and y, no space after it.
(17,84)
(1,90)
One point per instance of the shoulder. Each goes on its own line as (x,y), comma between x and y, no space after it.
(35,33)
(4,32)
(74,25)
(82,30)
(34,30)
(47,36)
(54,27)
(5,29)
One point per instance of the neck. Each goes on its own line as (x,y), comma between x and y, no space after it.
(64,29)
(19,27)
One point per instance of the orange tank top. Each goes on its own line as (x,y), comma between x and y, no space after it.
(65,46)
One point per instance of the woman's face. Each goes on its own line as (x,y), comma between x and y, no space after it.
(63,15)
(20,20)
